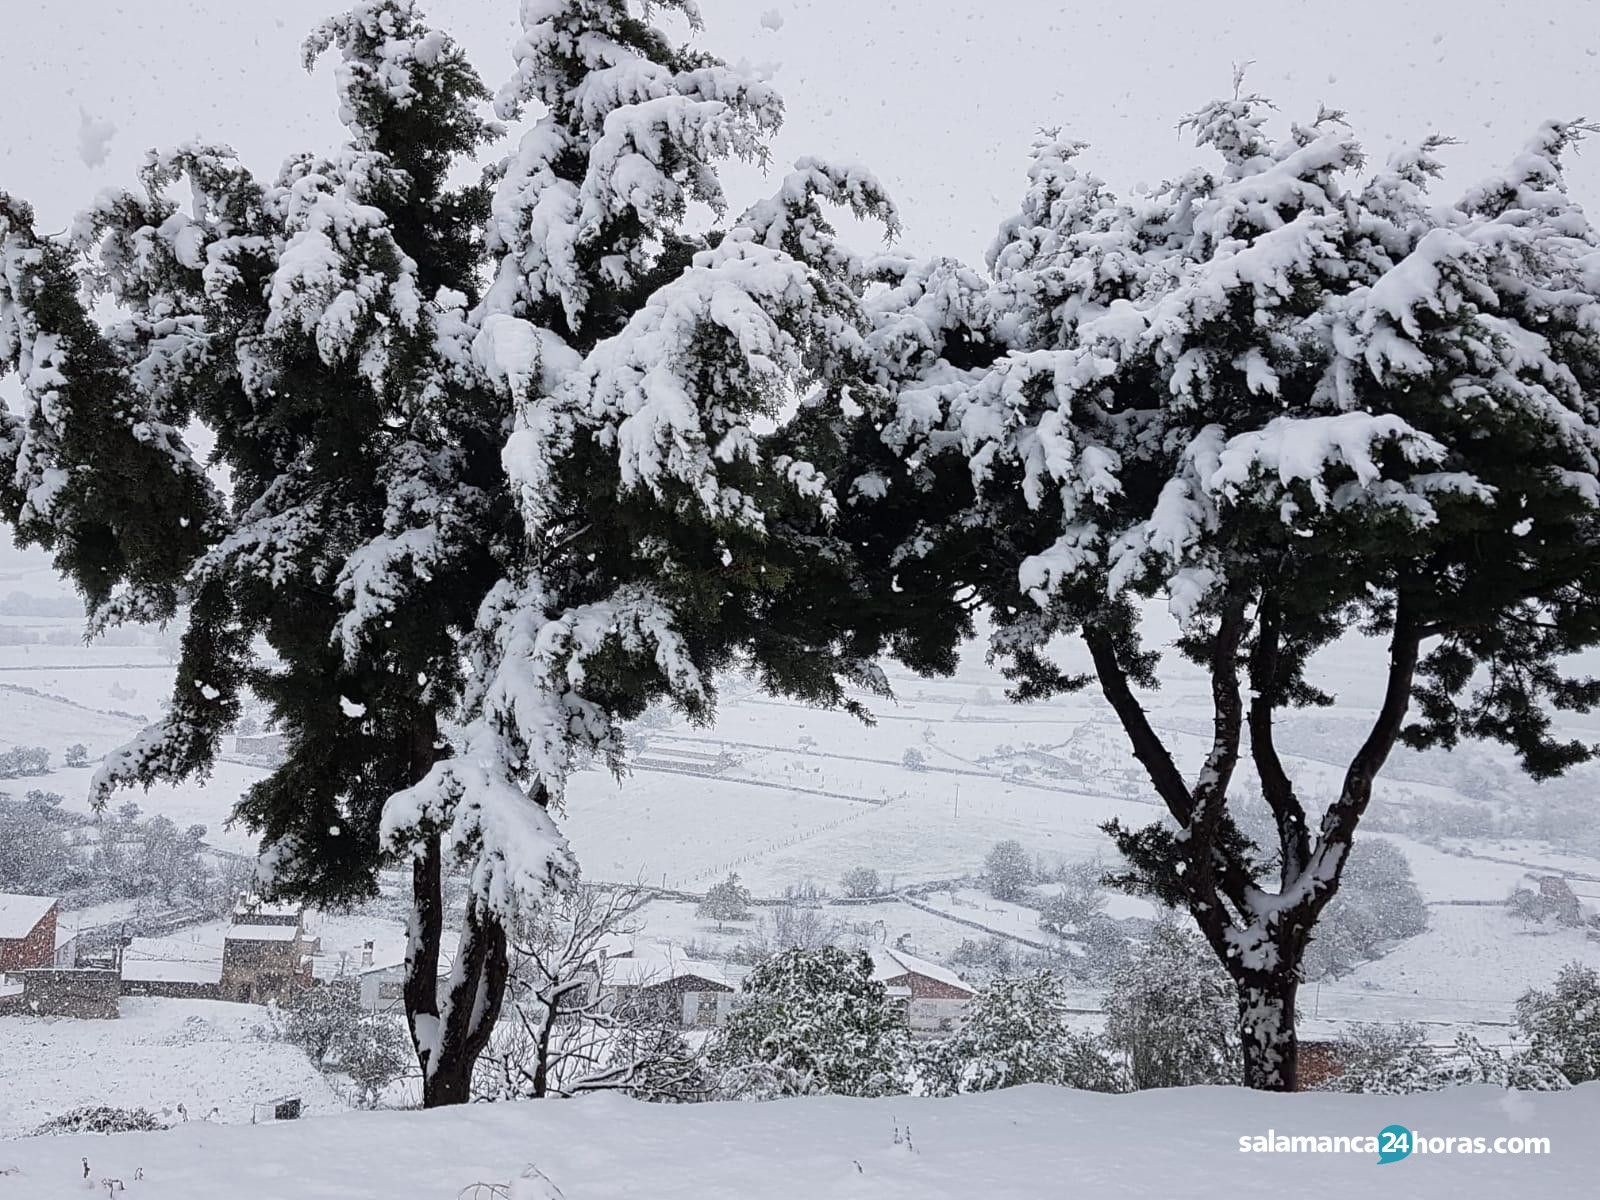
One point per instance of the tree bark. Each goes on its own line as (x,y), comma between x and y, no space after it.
(477,993)
(1266,1028)
(448,1037)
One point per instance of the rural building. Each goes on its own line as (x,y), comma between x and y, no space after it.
(265,955)
(264,962)
(27,932)
(383,988)
(935,997)
(694,994)
(66,955)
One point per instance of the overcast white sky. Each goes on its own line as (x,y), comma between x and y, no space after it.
(940,97)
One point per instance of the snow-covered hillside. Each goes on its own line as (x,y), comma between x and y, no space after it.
(1025,1143)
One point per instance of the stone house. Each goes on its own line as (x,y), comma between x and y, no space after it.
(264,962)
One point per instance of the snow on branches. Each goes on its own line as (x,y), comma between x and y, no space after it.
(1288,400)
(644,367)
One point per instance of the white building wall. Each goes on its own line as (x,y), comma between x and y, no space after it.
(936,1016)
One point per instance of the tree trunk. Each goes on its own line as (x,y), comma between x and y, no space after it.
(450,1082)
(1266,1028)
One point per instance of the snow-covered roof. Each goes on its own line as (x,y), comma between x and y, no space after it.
(262,933)
(19,914)
(651,969)
(166,970)
(616,945)
(64,935)
(264,908)
(889,963)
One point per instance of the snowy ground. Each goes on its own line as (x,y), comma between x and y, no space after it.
(203,1054)
(1023,1144)
(1470,966)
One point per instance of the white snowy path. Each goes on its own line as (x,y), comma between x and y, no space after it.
(1033,1143)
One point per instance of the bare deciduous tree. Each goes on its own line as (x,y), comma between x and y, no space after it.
(564,1033)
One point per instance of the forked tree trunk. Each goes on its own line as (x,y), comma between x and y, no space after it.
(449,1032)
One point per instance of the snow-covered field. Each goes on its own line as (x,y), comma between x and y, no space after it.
(202,1054)
(1029,1143)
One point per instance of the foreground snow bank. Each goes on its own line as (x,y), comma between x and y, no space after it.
(1030,1143)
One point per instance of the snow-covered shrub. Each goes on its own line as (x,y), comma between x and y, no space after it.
(1383,1059)
(328,1023)
(1017,1031)
(1007,871)
(100,1118)
(1562,1025)
(1525,904)
(812,1021)
(1470,1061)
(1395,1059)
(860,882)
(22,761)
(1171,1013)
(985,957)
(563,1034)
(791,927)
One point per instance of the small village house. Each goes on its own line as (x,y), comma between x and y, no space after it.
(262,962)
(935,998)
(27,932)
(694,994)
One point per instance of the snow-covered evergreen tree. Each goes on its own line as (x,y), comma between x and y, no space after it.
(497,475)
(1018,1030)
(728,900)
(812,1021)
(1289,401)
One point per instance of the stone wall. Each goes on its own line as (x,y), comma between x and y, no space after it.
(85,993)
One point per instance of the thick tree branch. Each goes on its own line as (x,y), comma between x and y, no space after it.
(1211,787)
(1147,745)
(1321,878)
(1294,838)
